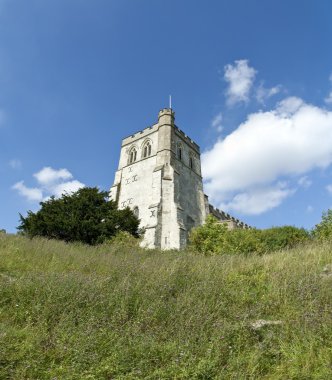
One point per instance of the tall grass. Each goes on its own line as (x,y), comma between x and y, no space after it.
(117,312)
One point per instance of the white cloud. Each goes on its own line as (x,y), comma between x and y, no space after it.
(240,78)
(329,189)
(51,182)
(31,194)
(217,122)
(305,182)
(291,139)
(263,93)
(48,176)
(289,106)
(67,187)
(258,200)
(15,163)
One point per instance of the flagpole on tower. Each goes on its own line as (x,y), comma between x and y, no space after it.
(170,101)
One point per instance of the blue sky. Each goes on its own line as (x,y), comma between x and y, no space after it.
(250,80)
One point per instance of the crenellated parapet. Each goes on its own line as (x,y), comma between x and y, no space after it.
(166,111)
(138,135)
(187,139)
(165,116)
(227,218)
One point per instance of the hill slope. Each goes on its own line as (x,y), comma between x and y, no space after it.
(77,312)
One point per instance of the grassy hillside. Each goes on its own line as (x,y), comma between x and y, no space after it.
(77,312)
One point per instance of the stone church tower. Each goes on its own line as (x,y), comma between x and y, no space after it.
(159,178)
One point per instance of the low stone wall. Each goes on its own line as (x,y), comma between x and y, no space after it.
(227,218)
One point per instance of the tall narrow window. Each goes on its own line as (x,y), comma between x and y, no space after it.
(179,152)
(132,155)
(191,162)
(147,150)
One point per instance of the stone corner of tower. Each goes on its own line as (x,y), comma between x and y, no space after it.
(166,111)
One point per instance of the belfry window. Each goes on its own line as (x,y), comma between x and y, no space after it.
(179,152)
(147,150)
(191,162)
(132,155)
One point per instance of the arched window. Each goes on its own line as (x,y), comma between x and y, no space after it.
(191,162)
(147,149)
(179,152)
(136,211)
(132,155)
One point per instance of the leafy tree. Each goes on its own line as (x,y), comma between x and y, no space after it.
(277,238)
(210,237)
(86,216)
(215,238)
(323,230)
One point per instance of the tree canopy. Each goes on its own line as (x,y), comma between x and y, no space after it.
(214,238)
(87,216)
(323,230)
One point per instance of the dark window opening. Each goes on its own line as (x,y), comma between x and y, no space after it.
(133,156)
(147,150)
(180,153)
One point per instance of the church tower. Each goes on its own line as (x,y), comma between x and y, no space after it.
(159,178)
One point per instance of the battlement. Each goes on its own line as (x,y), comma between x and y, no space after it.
(153,128)
(227,218)
(166,111)
(137,135)
(187,138)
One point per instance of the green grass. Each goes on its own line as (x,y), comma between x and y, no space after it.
(112,312)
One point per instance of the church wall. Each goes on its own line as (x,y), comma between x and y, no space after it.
(188,193)
(139,184)
(138,140)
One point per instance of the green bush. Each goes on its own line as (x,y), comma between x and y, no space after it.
(124,239)
(208,238)
(323,230)
(215,238)
(243,241)
(277,238)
